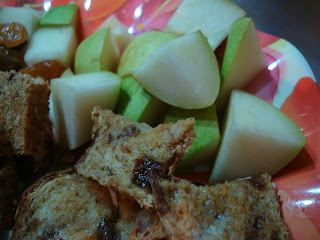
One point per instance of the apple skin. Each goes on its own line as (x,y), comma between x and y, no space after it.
(28,17)
(136,103)
(72,100)
(140,48)
(98,52)
(60,15)
(57,43)
(213,18)
(256,138)
(243,59)
(201,153)
(174,75)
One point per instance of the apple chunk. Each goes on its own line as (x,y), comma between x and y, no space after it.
(243,59)
(183,72)
(97,52)
(73,99)
(256,138)
(212,17)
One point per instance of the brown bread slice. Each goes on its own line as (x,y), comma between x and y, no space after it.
(62,205)
(241,209)
(124,153)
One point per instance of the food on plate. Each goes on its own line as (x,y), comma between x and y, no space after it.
(242,61)
(98,52)
(136,103)
(52,43)
(140,48)
(60,15)
(24,114)
(256,137)
(62,205)
(72,101)
(213,18)
(242,209)
(124,152)
(120,32)
(183,72)
(201,153)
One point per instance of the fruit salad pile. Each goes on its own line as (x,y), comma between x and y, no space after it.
(195,68)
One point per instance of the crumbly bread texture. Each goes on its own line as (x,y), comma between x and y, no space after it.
(62,205)
(120,144)
(24,111)
(241,209)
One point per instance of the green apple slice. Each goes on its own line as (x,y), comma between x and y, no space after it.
(52,44)
(243,59)
(120,32)
(60,15)
(140,48)
(73,99)
(256,138)
(28,17)
(137,104)
(201,153)
(212,17)
(183,72)
(97,52)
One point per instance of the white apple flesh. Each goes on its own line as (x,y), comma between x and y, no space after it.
(256,138)
(73,99)
(183,72)
(243,59)
(212,17)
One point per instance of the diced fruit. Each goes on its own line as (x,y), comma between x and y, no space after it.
(201,154)
(52,44)
(140,49)
(67,73)
(243,59)
(73,99)
(137,104)
(60,15)
(212,17)
(97,52)
(120,32)
(183,72)
(28,17)
(256,138)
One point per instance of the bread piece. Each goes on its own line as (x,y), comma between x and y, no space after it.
(24,110)
(62,205)
(241,209)
(124,153)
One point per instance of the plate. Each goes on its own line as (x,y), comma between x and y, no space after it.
(288,84)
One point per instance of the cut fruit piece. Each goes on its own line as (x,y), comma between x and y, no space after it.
(120,32)
(97,52)
(28,17)
(140,49)
(183,72)
(137,104)
(73,99)
(60,15)
(212,17)
(201,154)
(256,138)
(57,43)
(67,73)
(243,59)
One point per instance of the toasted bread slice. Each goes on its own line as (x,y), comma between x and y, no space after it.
(62,205)
(241,209)
(24,114)
(124,152)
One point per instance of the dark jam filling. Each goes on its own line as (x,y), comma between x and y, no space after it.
(144,170)
(106,229)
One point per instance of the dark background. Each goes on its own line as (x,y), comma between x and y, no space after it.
(297,21)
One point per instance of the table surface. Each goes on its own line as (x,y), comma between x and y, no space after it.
(297,21)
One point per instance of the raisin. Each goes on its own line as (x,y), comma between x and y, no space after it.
(11,59)
(48,69)
(106,229)
(12,34)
